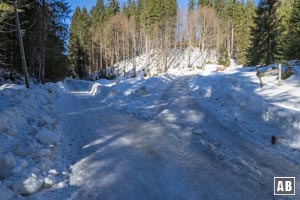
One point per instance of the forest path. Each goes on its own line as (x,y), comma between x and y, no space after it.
(183,153)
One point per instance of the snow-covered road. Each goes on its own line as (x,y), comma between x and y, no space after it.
(184,152)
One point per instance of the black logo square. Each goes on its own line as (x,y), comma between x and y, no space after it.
(284,185)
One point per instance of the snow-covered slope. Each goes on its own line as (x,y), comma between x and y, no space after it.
(238,100)
(177,60)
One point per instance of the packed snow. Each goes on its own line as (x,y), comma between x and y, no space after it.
(185,134)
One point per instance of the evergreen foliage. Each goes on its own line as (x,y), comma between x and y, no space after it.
(45,32)
(265,47)
(113,7)
(205,3)
(97,13)
(191,5)
(293,36)
(243,22)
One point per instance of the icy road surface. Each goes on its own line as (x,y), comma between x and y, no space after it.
(185,152)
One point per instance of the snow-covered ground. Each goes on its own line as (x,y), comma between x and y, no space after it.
(182,135)
(177,61)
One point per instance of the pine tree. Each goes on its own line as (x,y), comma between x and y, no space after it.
(219,6)
(265,48)
(151,14)
(79,43)
(205,3)
(84,41)
(129,8)
(132,7)
(170,12)
(283,15)
(97,13)
(56,62)
(293,47)
(84,23)
(191,5)
(140,8)
(74,45)
(113,7)
(243,22)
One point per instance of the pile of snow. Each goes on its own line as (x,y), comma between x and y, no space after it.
(139,95)
(237,98)
(135,95)
(29,133)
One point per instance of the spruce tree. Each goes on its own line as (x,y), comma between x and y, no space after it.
(191,5)
(283,15)
(74,45)
(129,8)
(293,47)
(243,22)
(97,13)
(56,62)
(84,41)
(139,8)
(265,48)
(79,42)
(205,3)
(152,14)
(170,11)
(113,7)
(219,6)
(84,23)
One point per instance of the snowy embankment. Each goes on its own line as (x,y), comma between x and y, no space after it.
(177,61)
(29,133)
(138,96)
(236,97)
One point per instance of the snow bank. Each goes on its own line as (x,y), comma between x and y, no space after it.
(133,95)
(137,95)
(177,61)
(29,134)
(237,92)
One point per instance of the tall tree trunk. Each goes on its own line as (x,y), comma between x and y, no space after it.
(147,50)
(43,41)
(21,45)
(134,49)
